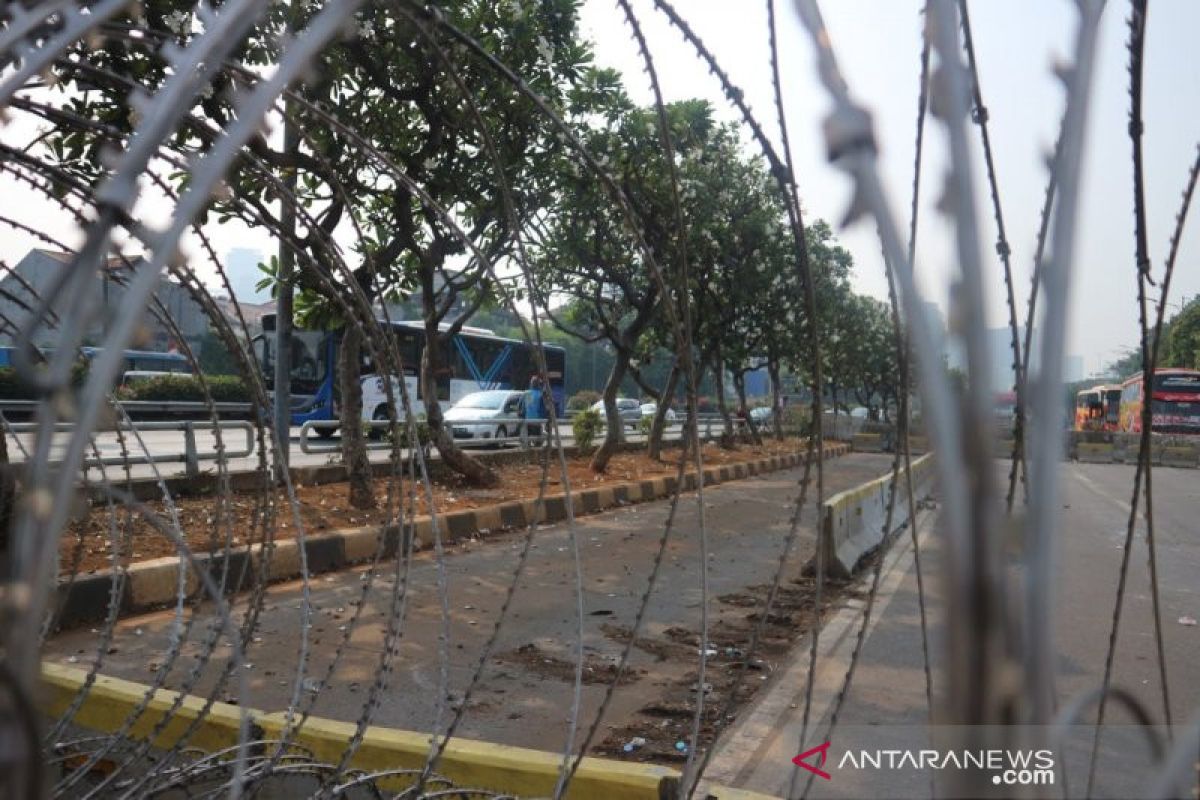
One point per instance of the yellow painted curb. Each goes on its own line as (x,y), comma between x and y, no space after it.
(111,700)
(470,764)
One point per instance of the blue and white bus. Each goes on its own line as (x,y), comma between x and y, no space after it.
(477,360)
(134,360)
(147,360)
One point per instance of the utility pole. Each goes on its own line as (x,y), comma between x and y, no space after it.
(283,305)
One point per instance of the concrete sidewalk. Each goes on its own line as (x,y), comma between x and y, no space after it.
(888,687)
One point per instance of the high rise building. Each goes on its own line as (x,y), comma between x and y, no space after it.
(241,266)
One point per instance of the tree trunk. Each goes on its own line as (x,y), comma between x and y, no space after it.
(727,438)
(8,493)
(739,385)
(654,447)
(776,398)
(453,456)
(612,418)
(833,433)
(691,410)
(354,441)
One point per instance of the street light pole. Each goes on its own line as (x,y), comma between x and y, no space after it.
(284,302)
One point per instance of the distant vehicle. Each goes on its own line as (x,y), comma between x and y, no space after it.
(1089,409)
(1098,409)
(1004,409)
(147,361)
(650,409)
(760,415)
(476,360)
(134,360)
(860,412)
(1174,402)
(1112,407)
(628,409)
(502,408)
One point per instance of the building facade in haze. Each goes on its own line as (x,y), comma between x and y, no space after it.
(241,267)
(30,279)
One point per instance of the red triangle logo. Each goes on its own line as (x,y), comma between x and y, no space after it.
(802,760)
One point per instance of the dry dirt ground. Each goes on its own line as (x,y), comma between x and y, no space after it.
(209,523)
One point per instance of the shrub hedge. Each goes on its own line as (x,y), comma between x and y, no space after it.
(165,388)
(582,400)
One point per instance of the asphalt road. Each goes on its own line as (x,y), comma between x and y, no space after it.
(522,702)
(526,697)
(887,706)
(168,447)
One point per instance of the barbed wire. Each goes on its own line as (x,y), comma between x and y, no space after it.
(221,598)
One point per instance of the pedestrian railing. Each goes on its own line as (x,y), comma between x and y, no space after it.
(135,452)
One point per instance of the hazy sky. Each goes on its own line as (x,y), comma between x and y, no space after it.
(1016,41)
(878,43)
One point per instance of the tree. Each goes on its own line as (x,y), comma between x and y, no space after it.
(215,358)
(748,292)
(587,252)
(408,170)
(1128,364)
(477,149)
(830,265)
(1181,345)
(871,370)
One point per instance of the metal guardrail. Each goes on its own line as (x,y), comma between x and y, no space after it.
(135,408)
(521,436)
(190,457)
(519,429)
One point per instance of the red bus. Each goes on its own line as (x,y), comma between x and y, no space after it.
(1089,409)
(1174,402)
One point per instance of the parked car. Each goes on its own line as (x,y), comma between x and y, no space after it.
(761,415)
(629,410)
(487,416)
(650,409)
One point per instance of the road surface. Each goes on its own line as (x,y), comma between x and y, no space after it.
(168,447)
(526,695)
(887,706)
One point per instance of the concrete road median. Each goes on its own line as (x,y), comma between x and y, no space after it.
(853,521)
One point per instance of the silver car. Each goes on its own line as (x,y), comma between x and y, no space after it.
(650,409)
(760,415)
(487,416)
(628,409)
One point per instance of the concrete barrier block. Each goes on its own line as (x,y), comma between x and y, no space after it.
(867,443)
(853,521)
(1094,452)
(1180,456)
